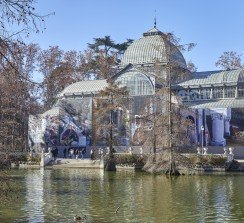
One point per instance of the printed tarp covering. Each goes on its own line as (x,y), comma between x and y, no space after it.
(68,124)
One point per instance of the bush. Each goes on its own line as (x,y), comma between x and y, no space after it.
(129,159)
(18,158)
(216,160)
(34,159)
(24,158)
(212,160)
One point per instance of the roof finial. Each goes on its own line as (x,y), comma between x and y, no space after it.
(155,20)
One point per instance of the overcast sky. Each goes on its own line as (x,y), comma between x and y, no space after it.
(214,25)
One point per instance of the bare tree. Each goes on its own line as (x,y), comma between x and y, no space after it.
(17,98)
(229,60)
(191,66)
(22,15)
(17,89)
(18,19)
(154,121)
(174,73)
(17,63)
(107,127)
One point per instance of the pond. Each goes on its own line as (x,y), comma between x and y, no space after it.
(58,195)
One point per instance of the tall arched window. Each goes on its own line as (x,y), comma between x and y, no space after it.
(136,83)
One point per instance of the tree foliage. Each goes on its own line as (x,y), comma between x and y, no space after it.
(61,69)
(108,46)
(18,96)
(107,54)
(19,93)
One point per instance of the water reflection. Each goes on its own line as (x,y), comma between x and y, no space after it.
(58,195)
(35,196)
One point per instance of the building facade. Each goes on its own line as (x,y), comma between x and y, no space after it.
(215,99)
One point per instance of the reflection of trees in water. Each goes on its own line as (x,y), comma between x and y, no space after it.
(190,198)
(142,197)
(213,198)
(12,191)
(61,194)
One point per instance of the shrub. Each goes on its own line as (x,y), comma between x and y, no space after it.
(24,158)
(18,158)
(216,160)
(34,159)
(213,160)
(129,159)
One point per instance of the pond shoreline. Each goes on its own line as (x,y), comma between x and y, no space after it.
(186,164)
(235,166)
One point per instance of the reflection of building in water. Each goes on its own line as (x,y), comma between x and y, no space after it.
(213,96)
(217,202)
(35,196)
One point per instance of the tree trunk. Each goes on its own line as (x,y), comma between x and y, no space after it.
(110,164)
(172,171)
(172,167)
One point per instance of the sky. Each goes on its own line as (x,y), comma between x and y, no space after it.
(215,26)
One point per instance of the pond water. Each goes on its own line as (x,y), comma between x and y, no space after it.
(58,195)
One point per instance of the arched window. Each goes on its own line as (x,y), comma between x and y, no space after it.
(136,83)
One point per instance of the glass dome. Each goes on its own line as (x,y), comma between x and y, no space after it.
(151,48)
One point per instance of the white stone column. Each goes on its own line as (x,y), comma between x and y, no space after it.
(211,93)
(236,92)
(199,124)
(218,130)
